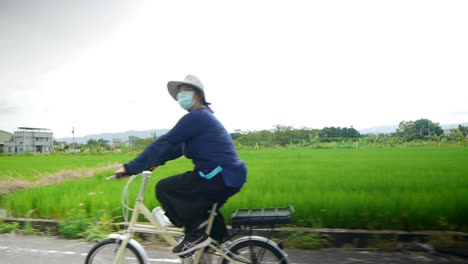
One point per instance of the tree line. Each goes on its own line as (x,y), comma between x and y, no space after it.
(281,135)
(408,131)
(286,135)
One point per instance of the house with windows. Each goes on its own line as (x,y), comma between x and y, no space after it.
(30,139)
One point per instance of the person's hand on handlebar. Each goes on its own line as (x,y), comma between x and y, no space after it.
(121,173)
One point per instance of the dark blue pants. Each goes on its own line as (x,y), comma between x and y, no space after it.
(187,197)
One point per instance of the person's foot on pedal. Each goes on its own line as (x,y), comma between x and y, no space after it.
(191,242)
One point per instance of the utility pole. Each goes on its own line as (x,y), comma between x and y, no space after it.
(73,132)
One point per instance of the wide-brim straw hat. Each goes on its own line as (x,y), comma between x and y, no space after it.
(191,80)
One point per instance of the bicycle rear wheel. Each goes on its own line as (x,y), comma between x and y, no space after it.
(105,251)
(255,252)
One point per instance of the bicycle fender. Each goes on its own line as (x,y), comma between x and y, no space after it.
(134,243)
(257,238)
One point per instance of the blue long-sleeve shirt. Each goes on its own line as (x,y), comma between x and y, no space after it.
(200,137)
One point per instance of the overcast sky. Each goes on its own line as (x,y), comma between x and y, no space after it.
(103,66)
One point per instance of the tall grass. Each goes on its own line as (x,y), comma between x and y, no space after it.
(416,188)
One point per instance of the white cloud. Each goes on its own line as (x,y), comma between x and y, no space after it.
(301,63)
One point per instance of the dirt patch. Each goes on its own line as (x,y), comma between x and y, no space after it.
(11,184)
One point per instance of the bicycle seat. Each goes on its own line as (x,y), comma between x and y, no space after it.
(262,216)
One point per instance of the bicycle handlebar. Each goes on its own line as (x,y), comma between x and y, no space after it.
(142,173)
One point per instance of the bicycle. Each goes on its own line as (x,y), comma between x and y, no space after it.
(246,249)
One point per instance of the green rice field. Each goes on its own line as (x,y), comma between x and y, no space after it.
(406,188)
(31,168)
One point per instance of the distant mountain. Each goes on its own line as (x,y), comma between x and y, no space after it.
(379,130)
(393,128)
(453,125)
(118,135)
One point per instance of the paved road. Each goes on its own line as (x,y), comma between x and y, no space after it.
(42,249)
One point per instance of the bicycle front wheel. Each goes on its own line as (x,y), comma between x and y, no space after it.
(105,251)
(255,252)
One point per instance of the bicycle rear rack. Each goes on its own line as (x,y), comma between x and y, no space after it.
(248,220)
(262,216)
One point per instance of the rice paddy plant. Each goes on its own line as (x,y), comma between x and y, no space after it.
(397,188)
(417,188)
(34,167)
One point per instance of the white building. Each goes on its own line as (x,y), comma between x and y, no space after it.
(119,142)
(29,139)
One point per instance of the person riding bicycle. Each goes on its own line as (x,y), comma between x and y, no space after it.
(217,175)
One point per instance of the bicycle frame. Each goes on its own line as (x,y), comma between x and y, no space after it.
(153,227)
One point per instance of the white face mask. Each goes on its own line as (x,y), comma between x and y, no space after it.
(185,99)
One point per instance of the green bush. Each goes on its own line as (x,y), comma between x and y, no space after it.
(7,228)
(75,224)
(79,225)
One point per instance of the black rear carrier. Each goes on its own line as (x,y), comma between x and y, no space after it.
(262,216)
